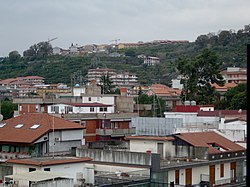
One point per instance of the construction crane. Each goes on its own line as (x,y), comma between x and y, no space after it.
(49,40)
(115,40)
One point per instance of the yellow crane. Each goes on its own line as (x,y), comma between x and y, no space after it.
(49,40)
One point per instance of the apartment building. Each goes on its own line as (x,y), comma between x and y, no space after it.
(235,75)
(150,60)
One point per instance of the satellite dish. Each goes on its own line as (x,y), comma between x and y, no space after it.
(1,117)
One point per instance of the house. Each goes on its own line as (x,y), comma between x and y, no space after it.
(150,60)
(193,159)
(235,75)
(79,169)
(5,93)
(223,89)
(171,96)
(152,144)
(22,86)
(38,134)
(235,129)
(80,108)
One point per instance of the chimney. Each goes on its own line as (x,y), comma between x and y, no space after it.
(123,91)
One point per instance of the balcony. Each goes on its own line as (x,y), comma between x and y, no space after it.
(115,132)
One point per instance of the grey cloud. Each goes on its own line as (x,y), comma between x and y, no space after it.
(26,22)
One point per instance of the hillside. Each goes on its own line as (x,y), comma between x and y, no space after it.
(230,47)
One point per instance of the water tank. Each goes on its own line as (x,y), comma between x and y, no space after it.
(186,103)
(193,103)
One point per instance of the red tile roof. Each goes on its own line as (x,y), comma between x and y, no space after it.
(205,139)
(163,90)
(48,161)
(10,134)
(150,138)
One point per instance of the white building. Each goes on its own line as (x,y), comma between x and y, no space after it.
(70,167)
(150,60)
(193,158)
(80,108)
(235,130)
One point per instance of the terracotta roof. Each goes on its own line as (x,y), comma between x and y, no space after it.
(7,81)
(157,138)
(30,77)
(205,139)
(226,86)
(122,89)
(26,134)
(163,90)
(48,161)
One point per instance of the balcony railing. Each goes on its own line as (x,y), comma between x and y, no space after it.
(115,132)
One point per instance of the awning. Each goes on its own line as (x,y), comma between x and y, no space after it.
(36,176)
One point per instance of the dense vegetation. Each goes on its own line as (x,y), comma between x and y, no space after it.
(230,47)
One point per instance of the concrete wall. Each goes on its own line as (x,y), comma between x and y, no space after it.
(115,156)
(191,118)
(113,168)
(124,104)
(200,153)
(147,145)
(155,126)
(66,144)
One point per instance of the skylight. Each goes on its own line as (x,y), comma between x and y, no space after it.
(2,125)
(35,126)
(18,126)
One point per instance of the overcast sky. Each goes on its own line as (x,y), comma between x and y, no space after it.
(26,22)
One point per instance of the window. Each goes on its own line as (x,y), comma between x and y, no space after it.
(89,98)
(35,126)
(221,170)
(177,176)
(103,109)
(18,126)
(55,109)
(92,109)
(46,169)
(68,109)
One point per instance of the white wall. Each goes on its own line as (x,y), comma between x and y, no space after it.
(69,170)
(77,91)
(108,100)
(146,145)
(81,110)
(196,174)
(143,146)
(68,135)
(188,117)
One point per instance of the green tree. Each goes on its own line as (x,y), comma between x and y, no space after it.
(235,98)
(157,103)
(106,84)
(198,74)
(7,108)
(41,49)
(14,56)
